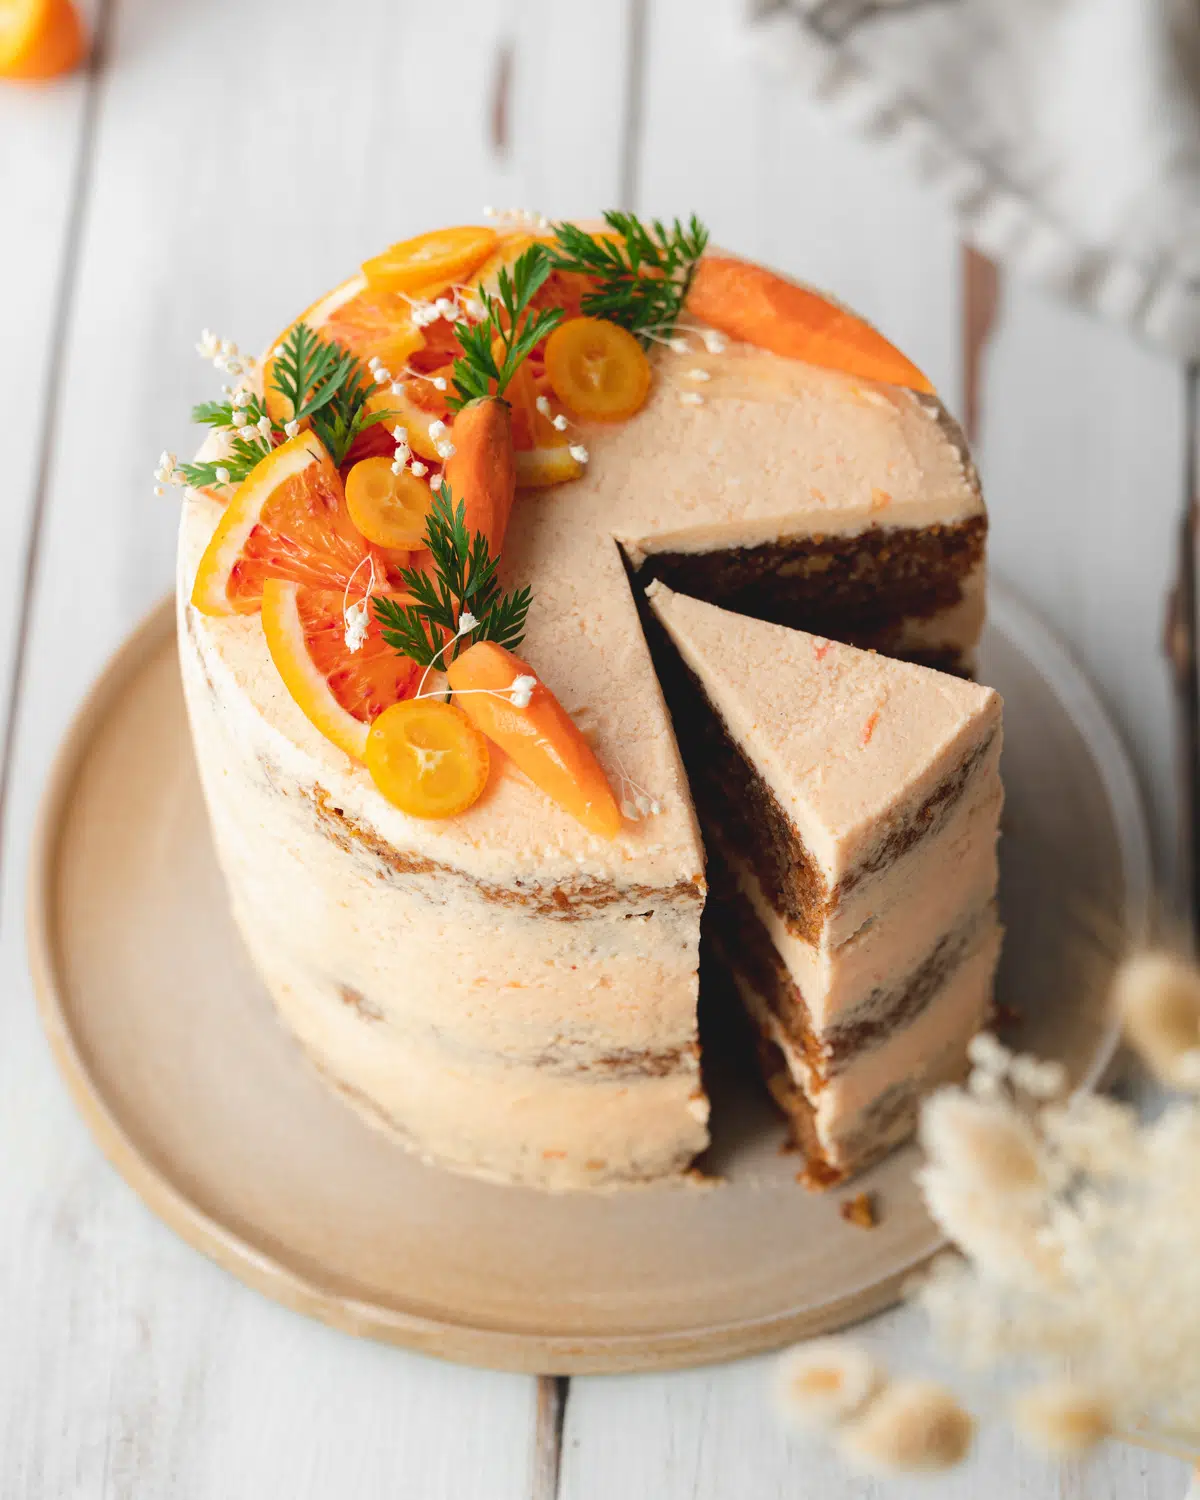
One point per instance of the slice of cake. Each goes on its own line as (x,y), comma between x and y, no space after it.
(850,807)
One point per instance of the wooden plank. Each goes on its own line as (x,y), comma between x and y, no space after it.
(246,158)
(713,1434)
(776,179)
(44,160)
(1082,448)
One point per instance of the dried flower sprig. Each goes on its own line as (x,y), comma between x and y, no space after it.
(463,587)
(1076,1223)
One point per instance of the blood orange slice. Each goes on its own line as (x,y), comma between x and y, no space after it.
(288,519)
(369,321)
(340,691)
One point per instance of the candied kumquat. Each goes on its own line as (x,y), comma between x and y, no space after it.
(531,726)
(597,369)
(389,509)
(427,758)
(431,261)
(40,38)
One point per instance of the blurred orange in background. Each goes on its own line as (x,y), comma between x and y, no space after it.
(40,38)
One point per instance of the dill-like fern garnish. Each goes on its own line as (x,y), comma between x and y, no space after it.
(463,582)
(642,275)
(507,318)
(325,383)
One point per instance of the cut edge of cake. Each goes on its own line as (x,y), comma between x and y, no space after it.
(852,894)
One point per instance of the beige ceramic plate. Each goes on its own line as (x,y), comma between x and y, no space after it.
(203,1102)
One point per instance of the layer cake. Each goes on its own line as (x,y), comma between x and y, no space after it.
(510,994)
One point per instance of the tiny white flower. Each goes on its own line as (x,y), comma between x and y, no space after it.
(222,476)
(466,622)
(436,428)
(445,449)
(522,691)
(691,398)
(543,405)
(446,308)
(560,423)
(240,419)
(474,309)
(438,382)
(355,616)
(698,374)
(264,425)
(398,466)
(419,469)
(578,452)
(397,388)
(714,342)
(400,433)
(291,428)
(678,345)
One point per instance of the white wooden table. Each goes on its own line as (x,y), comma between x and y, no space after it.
(219,165)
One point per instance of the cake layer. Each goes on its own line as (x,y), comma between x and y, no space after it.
(843,985)
(551,1125)
(852,1118)
(412,981)
(843,762)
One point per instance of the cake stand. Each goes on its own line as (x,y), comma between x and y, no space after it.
(204,1103)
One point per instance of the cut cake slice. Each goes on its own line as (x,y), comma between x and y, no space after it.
(850,806)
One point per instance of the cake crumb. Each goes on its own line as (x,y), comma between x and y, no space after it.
(869,729)
(860,1210)
(822,651)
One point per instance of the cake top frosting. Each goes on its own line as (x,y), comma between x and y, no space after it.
(734,446)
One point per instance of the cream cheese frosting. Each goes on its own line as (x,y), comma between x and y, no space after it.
(508,993)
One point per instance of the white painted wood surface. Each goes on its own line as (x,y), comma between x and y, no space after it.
(233,172)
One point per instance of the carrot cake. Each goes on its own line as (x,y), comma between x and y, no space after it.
(850,808)
(474,881)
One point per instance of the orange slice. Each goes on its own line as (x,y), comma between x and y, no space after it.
(415,419)
(758,307)
(287,519)
(368,321)
(389,509)
(440,258)
(340,691)
(539,735)
(597,369)
(39,38)
(427,758)
(539,468)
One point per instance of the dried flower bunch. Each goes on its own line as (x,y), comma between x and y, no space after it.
(1077,1224)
